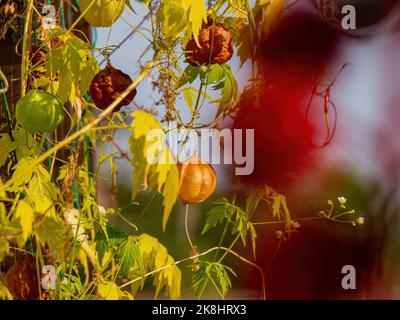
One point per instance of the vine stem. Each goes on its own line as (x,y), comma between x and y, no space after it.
(194,114)
(25,45)
(280,222)
(80,17)
(94,123)
(186,226)
(200,255)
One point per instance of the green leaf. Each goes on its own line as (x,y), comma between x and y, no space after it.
(128,254)
(25,214)
(275,201)
(188,76)
(215,73)
(253,237)
(102,245)
(215,273)
(107,238)
(229,90)
(241,224)
(214,216)
(115,235)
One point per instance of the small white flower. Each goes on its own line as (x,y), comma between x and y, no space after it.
(102,210)
(279,234)
(360,220)
(295,225)
(204,68)
(342,200)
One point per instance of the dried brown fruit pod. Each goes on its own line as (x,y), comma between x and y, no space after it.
(21,279)
(107,85)
(197,180)
(215,46)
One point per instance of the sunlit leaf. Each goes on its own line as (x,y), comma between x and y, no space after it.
(129,253)
(25,214)
(74,65)
(214,216)
(108,290)
(52,233)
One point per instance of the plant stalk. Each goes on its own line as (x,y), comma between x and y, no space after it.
(26,39)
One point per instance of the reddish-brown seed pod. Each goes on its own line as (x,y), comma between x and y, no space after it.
(107,85)
(197,180)
(21,279)
(215,46)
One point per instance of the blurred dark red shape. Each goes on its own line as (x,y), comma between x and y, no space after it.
(289,60)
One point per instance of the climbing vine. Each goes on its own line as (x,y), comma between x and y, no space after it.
(49,211)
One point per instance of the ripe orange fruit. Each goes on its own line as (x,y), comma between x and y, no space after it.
(197,180)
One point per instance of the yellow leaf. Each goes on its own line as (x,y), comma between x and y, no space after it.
(25,214)
(2,191)
(170,190)
(272,10)
(163,172)
(142,123)
(4,293)
(156,256)
(108,290)
(197,15)
(6,146)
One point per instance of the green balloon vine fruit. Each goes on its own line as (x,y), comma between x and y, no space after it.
(103,13)
(39,111)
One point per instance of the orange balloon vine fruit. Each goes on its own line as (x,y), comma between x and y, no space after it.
(21,279)
(215,46)
(103,13)
(107,85)
(39,111)
(197,180)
